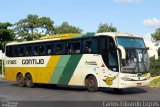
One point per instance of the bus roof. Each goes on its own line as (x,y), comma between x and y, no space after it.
(117,34)
(48,38)
(74,35)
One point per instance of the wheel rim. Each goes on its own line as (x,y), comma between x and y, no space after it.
(91,83)
(20,80)
(28,81)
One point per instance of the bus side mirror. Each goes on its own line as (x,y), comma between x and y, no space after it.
(123,52)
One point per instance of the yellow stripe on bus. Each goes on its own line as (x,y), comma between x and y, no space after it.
(39,74)
(44,74)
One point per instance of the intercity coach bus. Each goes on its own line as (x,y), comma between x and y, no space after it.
(113,60)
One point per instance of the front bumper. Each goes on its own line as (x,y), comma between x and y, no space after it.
(129,84)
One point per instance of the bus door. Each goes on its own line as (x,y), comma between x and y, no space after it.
(110,58)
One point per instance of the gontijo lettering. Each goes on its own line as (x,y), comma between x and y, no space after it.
(32,61)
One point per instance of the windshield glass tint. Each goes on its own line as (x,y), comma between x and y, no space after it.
(127,42)
(137,60)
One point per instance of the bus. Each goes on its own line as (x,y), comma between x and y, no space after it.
(93,60)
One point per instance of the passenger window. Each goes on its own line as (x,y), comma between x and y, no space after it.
(41,50)
(87,46)
(8,51)
(36,50)
(103,45)
(95,45)
(76,46)
(21,51)
(59,47)
(69,49)
(15,52)
(28,50)
(49,47)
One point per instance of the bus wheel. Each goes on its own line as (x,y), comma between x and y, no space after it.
(20,80)
(91,83)
(29,81)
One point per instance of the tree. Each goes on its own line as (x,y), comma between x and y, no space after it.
(159,51)
(156,35)
(6,34)
(155,66)
(106,28)
(33,27)
(66,28)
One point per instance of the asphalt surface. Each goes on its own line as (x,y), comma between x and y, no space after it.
(53,95)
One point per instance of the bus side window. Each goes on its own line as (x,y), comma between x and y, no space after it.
(21,51)
(49,47)
(59,48)
(68,47)
(15,51)
(29,51)
(76,46)
(41,50)
(87,46)
(9,51)
(95,45)
(36,50)
(103,45)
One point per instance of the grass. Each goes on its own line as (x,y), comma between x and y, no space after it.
(155,83)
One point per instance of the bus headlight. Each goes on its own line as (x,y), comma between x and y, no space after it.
(126,79)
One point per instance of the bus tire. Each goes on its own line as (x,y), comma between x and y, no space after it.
(20,80)
(91,83)
(29,81)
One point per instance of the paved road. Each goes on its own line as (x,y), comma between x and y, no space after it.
(9,91)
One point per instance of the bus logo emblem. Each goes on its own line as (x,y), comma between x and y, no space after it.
(109,80)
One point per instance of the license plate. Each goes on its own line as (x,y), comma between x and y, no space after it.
(138,84)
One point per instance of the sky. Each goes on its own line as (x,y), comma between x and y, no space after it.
(141,17)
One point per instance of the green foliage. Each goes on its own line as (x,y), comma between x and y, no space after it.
(33,27)
(155,66)
(156,35)
(106,28)
(158,51)
(6,34)
(66,28)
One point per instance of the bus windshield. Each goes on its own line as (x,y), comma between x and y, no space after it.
(130,42)
(137,59)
